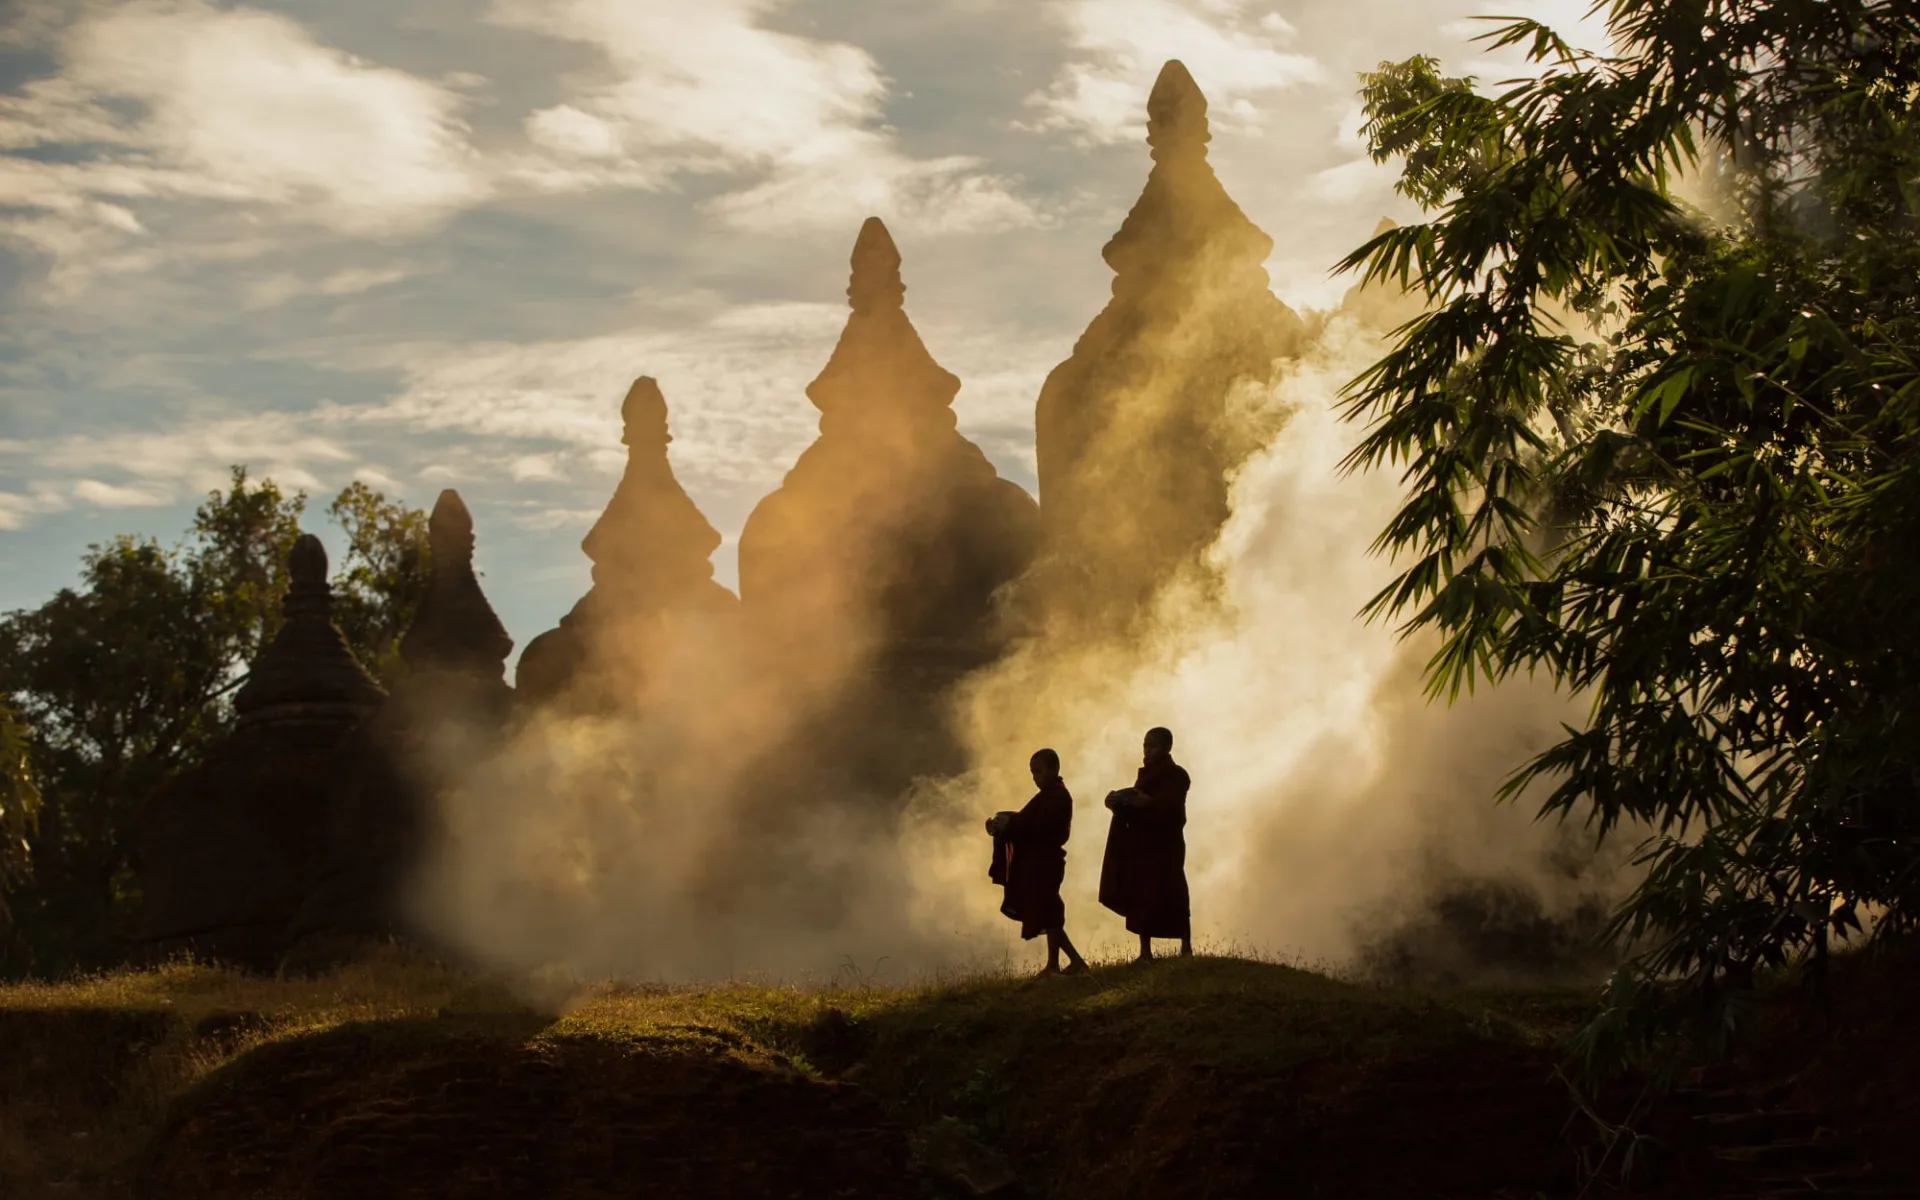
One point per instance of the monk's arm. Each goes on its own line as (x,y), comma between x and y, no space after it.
(1165,804)
(1042,821)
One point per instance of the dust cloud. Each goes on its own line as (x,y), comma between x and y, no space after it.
(1334,809)
(1333,805)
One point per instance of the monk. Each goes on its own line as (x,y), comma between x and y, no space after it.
(1144,874)
(1030,859)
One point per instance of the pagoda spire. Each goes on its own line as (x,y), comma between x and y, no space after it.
(652,558)
(1155,391)
(1176,115)
(881,383)
(455,629)
(307,672)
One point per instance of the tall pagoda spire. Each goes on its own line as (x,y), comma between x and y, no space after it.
(1154,391)
(455,629)
(881,552)
(651,552)
(307,672)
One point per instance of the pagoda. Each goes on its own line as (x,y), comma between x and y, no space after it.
(652,573)
(1140,431)
(229,849)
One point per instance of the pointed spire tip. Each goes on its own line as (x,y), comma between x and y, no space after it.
(643,414)
(450,510)
(1176,110)
(307,563)
(875,282)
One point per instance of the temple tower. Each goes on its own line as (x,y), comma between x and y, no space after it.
(1139,432)
(883,549)
(229,849)
(447,715)
(651,552)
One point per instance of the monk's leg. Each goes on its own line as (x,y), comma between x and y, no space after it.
(1186,946)
(1146,949)
(1075,964)
(1054,937)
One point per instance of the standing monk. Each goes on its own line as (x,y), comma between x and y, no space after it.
(1144,875)
(1030,858)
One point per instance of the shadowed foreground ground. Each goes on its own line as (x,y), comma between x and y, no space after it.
(1214,1077)
(405,1080)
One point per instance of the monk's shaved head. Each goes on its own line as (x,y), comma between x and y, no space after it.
(1161,737)
(1049,757)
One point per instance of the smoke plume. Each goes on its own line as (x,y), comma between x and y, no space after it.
(1333,806)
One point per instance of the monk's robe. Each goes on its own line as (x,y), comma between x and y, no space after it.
(1144,874)
(1034,846)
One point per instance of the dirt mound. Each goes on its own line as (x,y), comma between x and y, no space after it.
(411,1109)
(1177,1081)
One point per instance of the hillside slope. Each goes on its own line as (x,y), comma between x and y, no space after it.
(1211,1077)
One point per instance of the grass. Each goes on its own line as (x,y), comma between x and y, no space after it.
(151,1081)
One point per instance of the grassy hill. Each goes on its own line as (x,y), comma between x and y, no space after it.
(1210,1077)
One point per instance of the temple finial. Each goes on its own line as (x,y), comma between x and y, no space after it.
(1176,113)
(307,563)
(450,530)
(876,284)
(644,414)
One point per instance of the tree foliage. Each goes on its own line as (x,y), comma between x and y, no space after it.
(19,810)
(382,577)
(1664,451)
(129,677)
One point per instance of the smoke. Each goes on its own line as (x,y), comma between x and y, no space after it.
(1336,814)
(1332,804)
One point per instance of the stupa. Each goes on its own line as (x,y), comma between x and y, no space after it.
(1139,432)
(884,547)
(447,714)
(651,552)
(870,579)
(229,849)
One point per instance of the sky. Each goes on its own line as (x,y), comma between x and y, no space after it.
(428,243)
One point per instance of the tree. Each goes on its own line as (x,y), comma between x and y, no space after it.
(19,810)
(382,577)
(130,677)
(1697,513)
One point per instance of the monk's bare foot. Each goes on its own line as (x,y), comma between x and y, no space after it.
(1144,958)
(1046,971)
(1076,968)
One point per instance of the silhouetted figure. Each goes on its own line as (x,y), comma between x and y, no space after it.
(1144,874)
(229,849)
(1139,432)
(651,576)
(447,713)
(1030,859)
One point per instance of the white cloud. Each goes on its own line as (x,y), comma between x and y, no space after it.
(708,88)
(16,508)
(180,100)
(1233,50)
(156,467)
(109,495)
(1354,180)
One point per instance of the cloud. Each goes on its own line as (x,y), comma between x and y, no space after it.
(16,508)
(108,495)
(180,100)
(159,467)
(1233,51)
(710,89)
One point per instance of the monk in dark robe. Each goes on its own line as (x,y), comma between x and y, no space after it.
(1030,859)
(1144,874)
